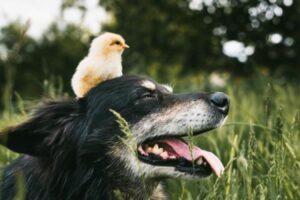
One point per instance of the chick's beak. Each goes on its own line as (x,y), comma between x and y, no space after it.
(125,46)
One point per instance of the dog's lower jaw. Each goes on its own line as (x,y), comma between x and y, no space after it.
(132,182)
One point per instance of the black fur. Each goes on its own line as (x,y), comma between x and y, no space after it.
(68,144)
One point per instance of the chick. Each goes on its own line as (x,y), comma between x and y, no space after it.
(103,62)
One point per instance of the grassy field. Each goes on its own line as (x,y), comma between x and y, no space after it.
(259,143)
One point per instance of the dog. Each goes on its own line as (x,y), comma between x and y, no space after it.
(77,148)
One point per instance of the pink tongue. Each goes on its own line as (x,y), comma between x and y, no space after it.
(182,149)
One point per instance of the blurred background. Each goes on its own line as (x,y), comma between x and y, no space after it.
(43,41)
(246,48)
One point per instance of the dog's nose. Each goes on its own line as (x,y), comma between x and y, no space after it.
(221,101)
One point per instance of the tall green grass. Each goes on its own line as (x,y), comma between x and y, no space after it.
(259,144)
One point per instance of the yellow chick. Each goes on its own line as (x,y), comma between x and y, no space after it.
(103,62)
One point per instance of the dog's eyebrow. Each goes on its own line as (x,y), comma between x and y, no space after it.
(148,84)
(168,87)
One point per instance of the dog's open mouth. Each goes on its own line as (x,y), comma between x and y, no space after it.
(177,153)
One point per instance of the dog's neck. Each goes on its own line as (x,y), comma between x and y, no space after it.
(137,188)
(102,185)
(148,190)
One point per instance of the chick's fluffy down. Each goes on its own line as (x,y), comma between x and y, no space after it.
(103,62)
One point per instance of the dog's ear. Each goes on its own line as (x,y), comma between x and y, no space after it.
(38,135)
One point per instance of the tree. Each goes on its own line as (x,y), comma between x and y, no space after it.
(11,57)
(191,33)
(29,62)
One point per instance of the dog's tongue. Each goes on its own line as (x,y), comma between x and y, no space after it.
(182,149)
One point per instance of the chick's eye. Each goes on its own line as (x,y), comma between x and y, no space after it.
(117,42)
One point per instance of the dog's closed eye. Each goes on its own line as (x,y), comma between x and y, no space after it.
(148,95)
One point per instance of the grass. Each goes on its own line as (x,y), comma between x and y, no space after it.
(259,146)
(259,143)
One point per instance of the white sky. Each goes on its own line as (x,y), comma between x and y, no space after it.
(41,13)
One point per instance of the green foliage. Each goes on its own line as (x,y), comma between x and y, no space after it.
(31,65)
(128,139)
(262,159)
(191,33)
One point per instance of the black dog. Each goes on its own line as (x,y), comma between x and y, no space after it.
(75,149)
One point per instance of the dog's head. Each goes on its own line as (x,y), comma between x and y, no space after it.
(86,130)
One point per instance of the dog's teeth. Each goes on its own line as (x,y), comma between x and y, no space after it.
(199,161)
(172,157)
(149,149)
(164,155)
(161,150)
(205,163)
(157,150)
